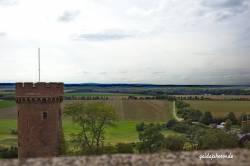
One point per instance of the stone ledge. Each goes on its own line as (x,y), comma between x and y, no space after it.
(241,157)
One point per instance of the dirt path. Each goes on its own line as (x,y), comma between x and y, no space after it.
(175,114)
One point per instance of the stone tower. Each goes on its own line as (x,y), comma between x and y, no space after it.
(39,119)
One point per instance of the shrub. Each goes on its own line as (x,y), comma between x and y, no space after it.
(217,139)
(109,149)
(206,118)
(232,117)
(13,132)
(124,148)
(181,127)
(151,139)
(140,127)
(175,142)
(8,152)
(171,123)
(188,146)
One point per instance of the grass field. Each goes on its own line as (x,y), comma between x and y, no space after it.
(130,113)
(132,110)
(6,103)
(6,138)
(124,131)
(221,108)
(139,110)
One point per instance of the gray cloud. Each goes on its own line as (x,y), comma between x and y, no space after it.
(102,73)
(3,34)
(68,16)
(223,3)
(158,72)
(103,36)
(224,9)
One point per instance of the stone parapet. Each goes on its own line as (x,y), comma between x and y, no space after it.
(240,158)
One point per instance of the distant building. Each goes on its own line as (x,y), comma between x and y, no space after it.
(245,121)
(39,119)
(221,125)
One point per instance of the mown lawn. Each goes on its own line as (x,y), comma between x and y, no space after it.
(124,131)
(7,103)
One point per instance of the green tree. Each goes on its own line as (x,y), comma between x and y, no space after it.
(188,146)
(125,148)
(92,119)
(171,123)
(151,139)
(140,126)
(206,118)
(228,124)
(232,117)
(217,139)
(175,142)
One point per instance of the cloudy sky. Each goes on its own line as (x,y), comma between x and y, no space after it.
(126,41)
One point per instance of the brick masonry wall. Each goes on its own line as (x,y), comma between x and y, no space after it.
(39,137)
(241,157)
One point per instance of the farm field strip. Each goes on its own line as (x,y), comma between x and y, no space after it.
(102,94)
(221,108)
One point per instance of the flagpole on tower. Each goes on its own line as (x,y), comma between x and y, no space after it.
(39,71)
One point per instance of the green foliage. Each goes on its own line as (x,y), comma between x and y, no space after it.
(171,123)
(175,142)
(63,145)
(232,117)
(92,118)
(140,126)
(13,132)
(151,139)
(217,139)
(206,118)
(125,148)
(180,104)
(8,152)
(7,103)
(188,146)
(228,124)
(108,149)
(181,127)
(189,113)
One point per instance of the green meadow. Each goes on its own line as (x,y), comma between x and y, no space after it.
(122,132)
(6,104)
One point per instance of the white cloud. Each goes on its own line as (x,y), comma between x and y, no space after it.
(148,41)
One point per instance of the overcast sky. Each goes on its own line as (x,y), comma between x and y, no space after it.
(126,41)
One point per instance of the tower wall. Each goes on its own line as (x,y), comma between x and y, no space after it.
(39,119)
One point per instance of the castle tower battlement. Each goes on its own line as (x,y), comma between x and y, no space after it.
(39,89)
(39,118)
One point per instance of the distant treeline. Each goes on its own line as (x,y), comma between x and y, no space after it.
(125,98)
(149,89)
